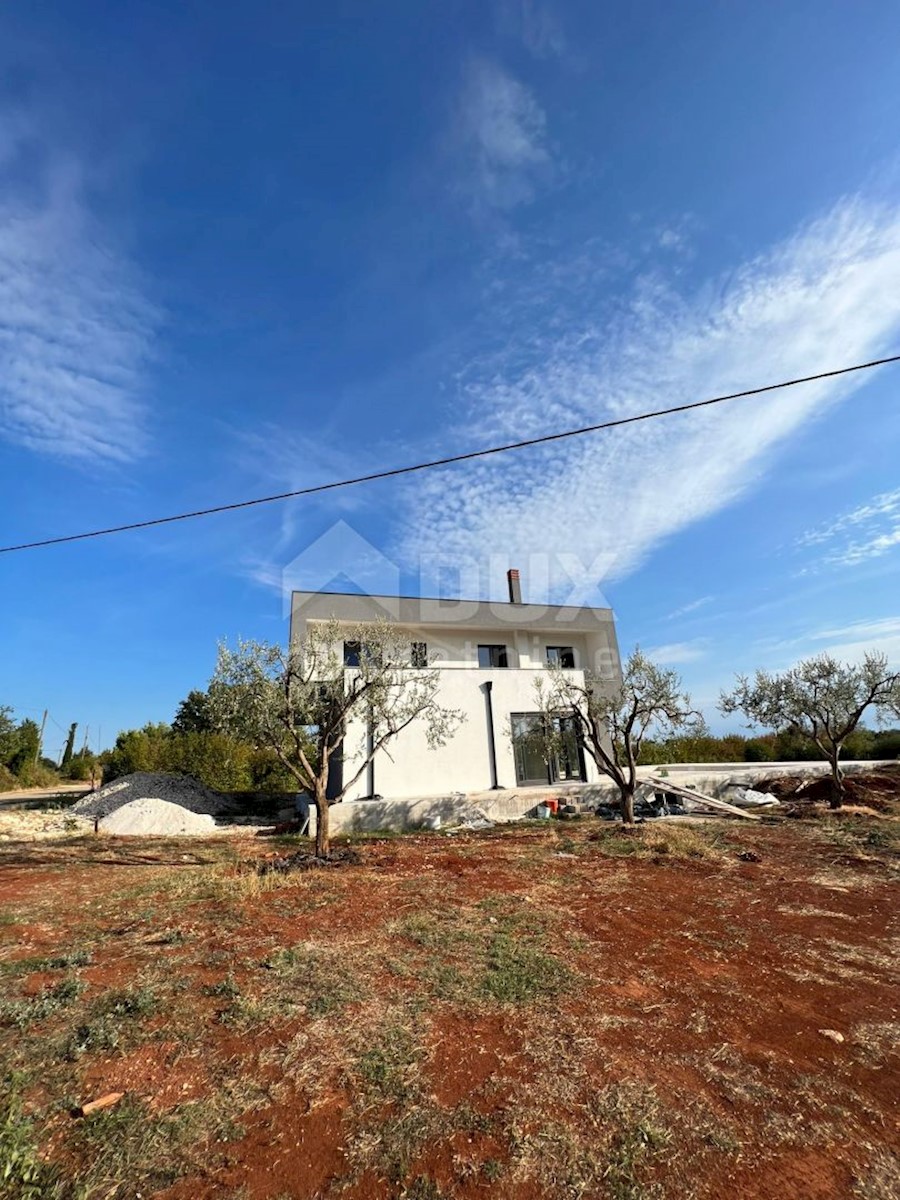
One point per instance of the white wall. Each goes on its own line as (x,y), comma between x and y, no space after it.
(409,767)
(458,648)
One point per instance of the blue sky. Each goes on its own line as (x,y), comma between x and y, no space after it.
(245,248)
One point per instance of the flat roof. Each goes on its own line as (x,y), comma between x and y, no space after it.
(432,610)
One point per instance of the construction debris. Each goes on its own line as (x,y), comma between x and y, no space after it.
(832,1035)
(874,788)
(475,821)
(746,797)
(698,798)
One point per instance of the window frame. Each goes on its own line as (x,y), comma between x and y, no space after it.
(352,651)
(558,651)
(359,651)
(503,649)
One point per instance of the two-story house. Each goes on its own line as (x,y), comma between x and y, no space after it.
(489,655)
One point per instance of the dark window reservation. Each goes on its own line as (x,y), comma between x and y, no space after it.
(492,656)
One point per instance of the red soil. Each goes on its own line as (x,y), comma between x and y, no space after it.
(709,981)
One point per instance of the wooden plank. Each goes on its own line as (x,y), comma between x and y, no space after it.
(666,785)
(104,1102)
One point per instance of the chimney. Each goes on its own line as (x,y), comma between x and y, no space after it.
(515,589)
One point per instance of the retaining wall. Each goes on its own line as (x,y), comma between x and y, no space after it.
(429,812)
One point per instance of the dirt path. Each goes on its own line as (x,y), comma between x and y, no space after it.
(68,791)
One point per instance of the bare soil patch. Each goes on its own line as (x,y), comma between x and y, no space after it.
(529,1012)
(876,790)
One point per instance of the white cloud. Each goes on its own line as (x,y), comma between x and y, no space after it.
(677,236)
(685,609)
(849,642)
(677,652)
(502,132)
(828,296)
(535,24)
(869,531)
(75,329)
(852,641)
(882,627)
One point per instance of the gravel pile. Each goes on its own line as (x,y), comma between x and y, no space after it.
(151,817)
(182,791)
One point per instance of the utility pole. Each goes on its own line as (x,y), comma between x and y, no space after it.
(40,745)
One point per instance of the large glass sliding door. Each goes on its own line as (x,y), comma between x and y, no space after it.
(528,748)
(530,751)
(569,761)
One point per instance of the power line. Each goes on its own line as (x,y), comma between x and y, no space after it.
(392,472)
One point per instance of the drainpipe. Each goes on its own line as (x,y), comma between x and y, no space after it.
(370,769)
(492,747)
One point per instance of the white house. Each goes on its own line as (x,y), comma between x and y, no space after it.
(489,655)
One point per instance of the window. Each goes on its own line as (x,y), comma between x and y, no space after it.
(418,654)
(529,748)
(561,656)
(532,749)
(569,762)
(492,656)
(357,654)
(351,654)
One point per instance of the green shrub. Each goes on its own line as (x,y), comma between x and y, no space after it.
(217,760)
(758,751)
(82,767)
(134,1002)
(24,1175)
(886,744)
(31,1009)
(100,1033)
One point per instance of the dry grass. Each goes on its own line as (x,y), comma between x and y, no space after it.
(664,840)
(605,1013)
(879,1179)
(840,879)
(809,910)
(876,1041)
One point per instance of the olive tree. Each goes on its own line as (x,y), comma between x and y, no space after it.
(821,698)
(612,718)
(300,703)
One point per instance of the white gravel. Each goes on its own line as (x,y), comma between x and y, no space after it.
(181,791)
(152,817)
(20,825)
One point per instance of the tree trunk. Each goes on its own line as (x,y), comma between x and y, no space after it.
(837,784)
(323,839)
(626,802)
